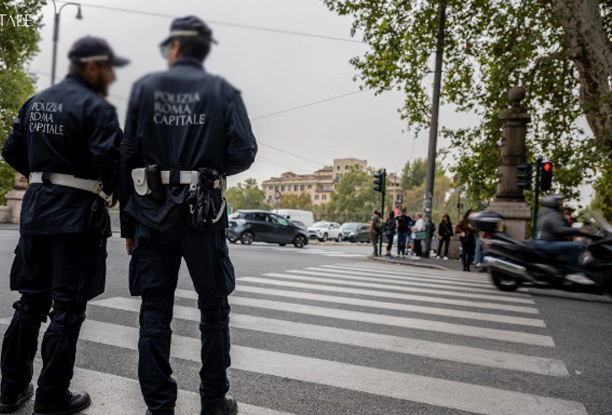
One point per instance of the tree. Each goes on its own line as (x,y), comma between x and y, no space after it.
(246,196)
(414,173)
(301,201)
(559,50)
(354,199)
(18,44)
(443,200)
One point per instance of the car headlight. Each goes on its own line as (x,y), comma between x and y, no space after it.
(352,234)
(240,222)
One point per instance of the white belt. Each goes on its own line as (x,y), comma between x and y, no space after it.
(187,177)
(68,180)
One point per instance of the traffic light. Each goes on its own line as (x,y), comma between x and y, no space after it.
(400,199)
(547,174)
(379,180)
(523,176)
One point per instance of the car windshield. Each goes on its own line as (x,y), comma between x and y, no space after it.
(320,225)
(350,226)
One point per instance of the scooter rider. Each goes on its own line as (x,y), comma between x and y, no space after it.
(185,131)
(553,233)
(66,140)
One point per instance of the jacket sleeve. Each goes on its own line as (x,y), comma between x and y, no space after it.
(241,145)
(128,161)
(558,228)
(104,140)
(14,149)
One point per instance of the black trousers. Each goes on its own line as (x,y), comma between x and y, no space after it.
(154,270)
(56,275)
(418,247)
(390,237)
(468,245)
(445,241)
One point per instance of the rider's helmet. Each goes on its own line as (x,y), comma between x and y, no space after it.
(553,201)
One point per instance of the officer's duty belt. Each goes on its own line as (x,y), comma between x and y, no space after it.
(68,180)
(186,177)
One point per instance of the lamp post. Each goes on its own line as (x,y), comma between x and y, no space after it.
(56,24)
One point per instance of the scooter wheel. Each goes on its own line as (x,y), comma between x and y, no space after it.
(504,282)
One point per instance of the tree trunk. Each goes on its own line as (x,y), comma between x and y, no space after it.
(591,52)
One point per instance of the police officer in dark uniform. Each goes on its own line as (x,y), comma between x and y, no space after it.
(66,141)
(185,131)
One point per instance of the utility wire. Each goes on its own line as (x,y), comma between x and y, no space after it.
(222,23)
(279,164)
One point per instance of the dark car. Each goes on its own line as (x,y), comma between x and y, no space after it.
(356,232)
(247,226)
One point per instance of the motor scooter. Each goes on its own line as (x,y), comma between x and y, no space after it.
(513,264)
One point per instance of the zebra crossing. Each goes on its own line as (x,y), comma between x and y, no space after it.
(448,321)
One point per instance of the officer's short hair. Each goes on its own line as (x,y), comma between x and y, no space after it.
(194,47)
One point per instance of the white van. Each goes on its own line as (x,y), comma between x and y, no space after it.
(304,216)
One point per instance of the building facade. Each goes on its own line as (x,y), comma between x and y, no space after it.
(318,185)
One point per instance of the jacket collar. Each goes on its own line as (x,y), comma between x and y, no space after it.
(188,62)
(78,79)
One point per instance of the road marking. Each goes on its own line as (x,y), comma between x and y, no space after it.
(434,350)
(387,294)
(395,321)
(112,394)
(435,274)
(317,272)
(403,277)
(403,386)
(497,318)
(331,280)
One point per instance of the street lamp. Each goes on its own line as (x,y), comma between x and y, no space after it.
(56,31)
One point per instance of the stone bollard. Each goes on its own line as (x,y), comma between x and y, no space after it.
(15,196)
(510,200)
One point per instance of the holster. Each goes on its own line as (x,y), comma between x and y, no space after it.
(155,182)
(206,201)
(99,218)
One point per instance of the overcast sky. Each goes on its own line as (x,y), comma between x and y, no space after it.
(275,72)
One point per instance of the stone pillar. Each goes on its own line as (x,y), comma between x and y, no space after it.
(510,200)
(15,196)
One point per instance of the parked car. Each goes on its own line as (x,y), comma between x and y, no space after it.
(356,232)
(304,216)
(326,230)
(248,226)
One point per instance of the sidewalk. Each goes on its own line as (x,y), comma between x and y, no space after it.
(431,262)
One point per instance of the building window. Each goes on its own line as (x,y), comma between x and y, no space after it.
(316,197)
(346,167)
(275,187)
(295,187)
(309,186)
(324,197)
(302,188)
(337,176)
(328,187)
(270,187)
(270,198)
(338,167)
(282,188)
(336,186)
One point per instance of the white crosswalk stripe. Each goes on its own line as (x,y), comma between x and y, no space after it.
(443,318)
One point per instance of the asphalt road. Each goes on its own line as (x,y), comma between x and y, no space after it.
(324,331)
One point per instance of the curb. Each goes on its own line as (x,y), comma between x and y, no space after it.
(408,264)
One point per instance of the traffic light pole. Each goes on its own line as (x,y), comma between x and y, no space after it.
(382,210)
(536,202)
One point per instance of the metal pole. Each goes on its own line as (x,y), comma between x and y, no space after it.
(433,132)
(458,204)
(55,39)
(536,196)
(382,209)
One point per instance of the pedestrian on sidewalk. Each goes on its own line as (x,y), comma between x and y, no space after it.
(445,232)
(182,215)
(60,261)
(467,238)
(419,234)
(376,226)
(390,232)
(404,223)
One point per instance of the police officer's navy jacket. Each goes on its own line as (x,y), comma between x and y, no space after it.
(68,128)
(181,119)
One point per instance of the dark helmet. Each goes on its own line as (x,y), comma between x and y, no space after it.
(552,201)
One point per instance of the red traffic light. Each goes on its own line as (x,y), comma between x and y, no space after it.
(547,167)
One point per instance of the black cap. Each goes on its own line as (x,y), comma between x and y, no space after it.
(94,49)
(189,26)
